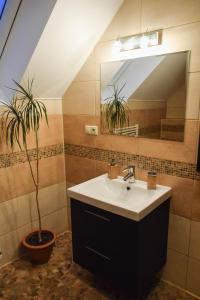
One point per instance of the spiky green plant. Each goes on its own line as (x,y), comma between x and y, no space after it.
(21,116)
(115,111)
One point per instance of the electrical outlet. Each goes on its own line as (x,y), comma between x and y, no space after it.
(91,129)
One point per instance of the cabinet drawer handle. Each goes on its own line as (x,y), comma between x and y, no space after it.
(98,253)
(96,215)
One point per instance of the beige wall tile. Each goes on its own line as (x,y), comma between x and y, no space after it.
(53,133)
(184,38)
(87,72)
(101,167)
(23,231)
(51,199)
(56,221)
(48,135)
(16,216)
(196,201)
(182,192)
(74,129)
(176,268)
(54,106)
(103,53)
(52,170)
(163,14)
(79,169)
(20,211)
(69,184)
(16,180)
(3,147)
(125,22)
(193,278)
(194,250)
(179,234)
(8,216)
(10,244)
(193,96)
(97,98)
(80,98)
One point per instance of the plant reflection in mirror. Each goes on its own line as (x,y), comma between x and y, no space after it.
(114,110)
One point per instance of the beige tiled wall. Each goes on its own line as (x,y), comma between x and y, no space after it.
(18,216)
(180,21)
(17,206)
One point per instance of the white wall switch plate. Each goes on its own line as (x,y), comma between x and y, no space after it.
(91,129)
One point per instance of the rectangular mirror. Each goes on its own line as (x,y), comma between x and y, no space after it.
(145,97)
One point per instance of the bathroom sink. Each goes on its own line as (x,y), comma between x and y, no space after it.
(130,200)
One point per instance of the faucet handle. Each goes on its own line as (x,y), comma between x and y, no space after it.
(130,169)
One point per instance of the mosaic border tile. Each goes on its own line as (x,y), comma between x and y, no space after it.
(169,167)
(11,159)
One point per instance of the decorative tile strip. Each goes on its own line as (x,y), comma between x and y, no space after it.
(11,159)
(170,167)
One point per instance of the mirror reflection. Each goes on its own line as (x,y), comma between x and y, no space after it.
(145,97)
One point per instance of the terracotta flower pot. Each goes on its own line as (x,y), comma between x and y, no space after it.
(39,254)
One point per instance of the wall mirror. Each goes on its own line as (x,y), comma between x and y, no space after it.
(145,97)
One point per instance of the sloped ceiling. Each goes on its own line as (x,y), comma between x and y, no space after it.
(72,31)
(28,24)
(130,75)
(164,79)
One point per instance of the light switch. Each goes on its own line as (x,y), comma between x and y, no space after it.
(91,129)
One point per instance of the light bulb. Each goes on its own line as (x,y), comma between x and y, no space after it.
(117,46)
(144,41)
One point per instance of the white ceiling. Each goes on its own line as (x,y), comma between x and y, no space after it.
(72,31)
(30,21)
(164,79)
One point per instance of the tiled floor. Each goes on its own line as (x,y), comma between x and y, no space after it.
(60,280)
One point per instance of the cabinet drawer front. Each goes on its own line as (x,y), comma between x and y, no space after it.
(102,230)
(96,215)
(92,227)
(92,259)
(86,209)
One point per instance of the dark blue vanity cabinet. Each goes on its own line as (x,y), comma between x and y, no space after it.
(120,250)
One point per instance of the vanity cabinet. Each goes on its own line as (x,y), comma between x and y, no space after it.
(126,252)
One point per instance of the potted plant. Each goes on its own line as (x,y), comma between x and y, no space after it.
(115,110)
(20,117)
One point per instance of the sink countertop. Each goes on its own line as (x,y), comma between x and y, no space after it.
(112,195)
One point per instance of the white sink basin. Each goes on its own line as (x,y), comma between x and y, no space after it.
(113,196)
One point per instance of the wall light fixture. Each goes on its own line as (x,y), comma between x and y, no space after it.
(139,41)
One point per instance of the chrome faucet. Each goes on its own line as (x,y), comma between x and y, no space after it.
(130,176)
